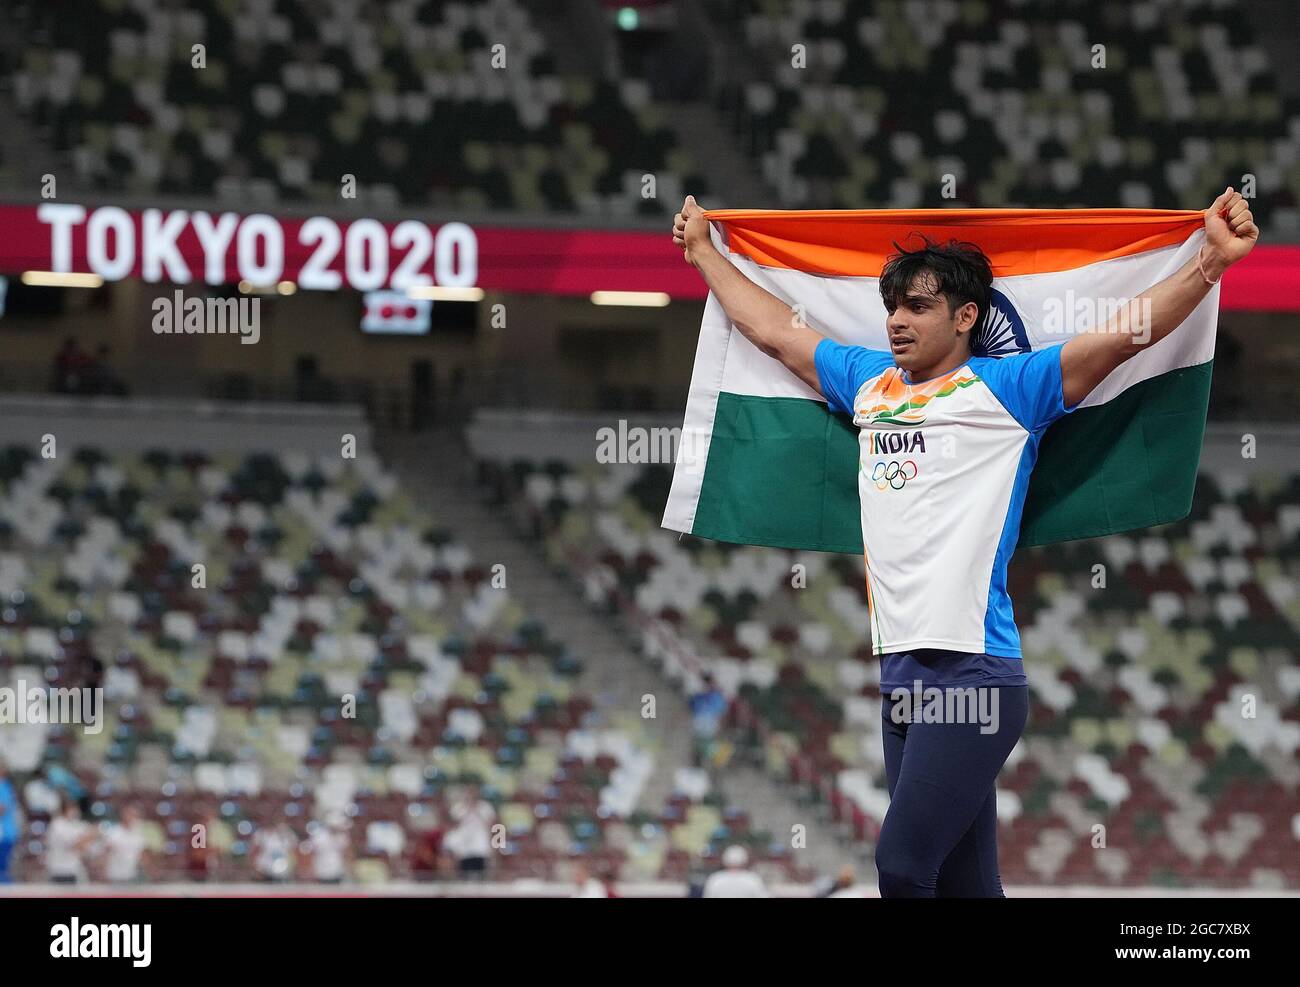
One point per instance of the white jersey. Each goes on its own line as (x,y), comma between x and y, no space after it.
(943,470)
(472,835)
(62,850)
(123,847)
(328,847)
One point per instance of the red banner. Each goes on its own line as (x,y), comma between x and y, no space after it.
(326,254)
(1266,281)
(323,253)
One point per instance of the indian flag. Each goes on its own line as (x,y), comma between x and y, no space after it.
(762,461)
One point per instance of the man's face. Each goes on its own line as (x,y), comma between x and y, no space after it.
(922,329)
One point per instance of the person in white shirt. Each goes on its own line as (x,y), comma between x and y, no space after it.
(273,852)
(329,849)
(939,528)
(123,846)
(66,840)
(735,880)
(470,841)
(586,886)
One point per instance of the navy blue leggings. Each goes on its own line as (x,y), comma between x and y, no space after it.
(940,835)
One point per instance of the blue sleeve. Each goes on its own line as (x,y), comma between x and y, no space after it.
(1028,385)
(843,369)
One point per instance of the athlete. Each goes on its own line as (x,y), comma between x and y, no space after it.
(947,440)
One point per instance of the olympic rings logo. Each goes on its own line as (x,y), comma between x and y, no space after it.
(893,475)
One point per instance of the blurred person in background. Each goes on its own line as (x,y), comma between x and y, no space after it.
(426,850)
(123,847)
(708,707)
(273,848)
(328,850)
(587,886)
(735,880)
(470,840)
(67,839)
(69,367)
(10,822)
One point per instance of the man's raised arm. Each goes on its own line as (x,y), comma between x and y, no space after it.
(766,321)
(1088,358)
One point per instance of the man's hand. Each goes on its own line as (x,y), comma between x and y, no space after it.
(762,318)
(691,230)
(1230,232)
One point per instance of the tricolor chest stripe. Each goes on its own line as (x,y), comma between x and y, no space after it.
(891,400)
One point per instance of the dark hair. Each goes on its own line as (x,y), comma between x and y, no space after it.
(962,273)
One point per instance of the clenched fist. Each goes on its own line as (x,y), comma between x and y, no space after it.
(1230,232)
(691,230)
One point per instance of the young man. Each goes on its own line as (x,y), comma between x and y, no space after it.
(938,529)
